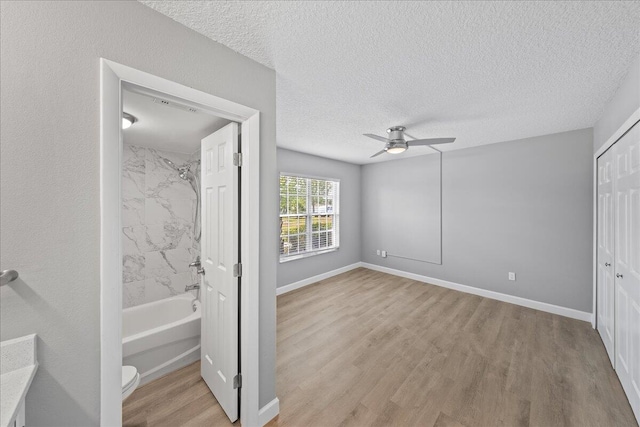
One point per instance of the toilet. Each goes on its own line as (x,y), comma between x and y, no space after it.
(130,380)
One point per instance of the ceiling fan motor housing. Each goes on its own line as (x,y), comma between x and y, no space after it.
(397,143)
(396,134)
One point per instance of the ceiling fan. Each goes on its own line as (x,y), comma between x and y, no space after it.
(396,142)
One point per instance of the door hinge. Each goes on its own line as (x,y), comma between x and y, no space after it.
(237,270)
(237,381)
(237,159)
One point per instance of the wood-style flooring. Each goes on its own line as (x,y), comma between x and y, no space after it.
(367,348)
(180,398)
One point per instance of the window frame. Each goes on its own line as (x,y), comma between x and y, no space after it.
(309,217)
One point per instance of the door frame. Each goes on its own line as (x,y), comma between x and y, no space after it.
(619,133)
(112,77)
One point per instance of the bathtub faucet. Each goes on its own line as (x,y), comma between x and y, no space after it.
(197,265)
(191,287)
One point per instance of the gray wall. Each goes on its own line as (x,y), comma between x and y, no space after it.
(50,217)
(521,206)
(625,101)
(402,205)
(349,252)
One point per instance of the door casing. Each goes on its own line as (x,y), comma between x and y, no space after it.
(112,77)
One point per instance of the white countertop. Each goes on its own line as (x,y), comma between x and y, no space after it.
(13,389)
(18,366)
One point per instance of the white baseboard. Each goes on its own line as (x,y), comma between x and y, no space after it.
(310,280)
(268,412)
(537,305)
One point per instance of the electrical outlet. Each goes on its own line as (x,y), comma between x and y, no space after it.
(512,276)
(378,252)
(384,254)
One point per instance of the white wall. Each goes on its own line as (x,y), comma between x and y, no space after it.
(625,101)
(49,178)
(349,252)
(522,206)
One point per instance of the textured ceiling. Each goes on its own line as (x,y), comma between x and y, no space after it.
(483,72)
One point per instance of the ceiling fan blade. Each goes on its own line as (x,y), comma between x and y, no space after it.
(378,153)
(379,138)
(431,141)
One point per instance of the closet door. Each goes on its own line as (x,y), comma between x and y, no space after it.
(627,263)
(605,267)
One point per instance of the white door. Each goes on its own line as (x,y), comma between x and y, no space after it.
(605,256)
(627,263)
(219,245)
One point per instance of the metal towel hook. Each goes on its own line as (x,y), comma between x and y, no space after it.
(7,276)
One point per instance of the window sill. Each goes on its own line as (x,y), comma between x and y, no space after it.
(307,255)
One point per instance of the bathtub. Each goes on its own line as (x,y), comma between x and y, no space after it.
(161,336)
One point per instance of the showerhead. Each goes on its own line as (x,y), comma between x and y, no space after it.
(192,177)
(183,172)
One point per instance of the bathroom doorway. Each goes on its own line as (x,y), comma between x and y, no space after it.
(180,247)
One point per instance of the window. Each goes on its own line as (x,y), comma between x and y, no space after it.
(308,216)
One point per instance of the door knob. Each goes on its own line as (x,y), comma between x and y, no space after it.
(619,275)
(606,264)
(200,271)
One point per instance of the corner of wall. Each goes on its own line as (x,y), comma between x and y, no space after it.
(620,108)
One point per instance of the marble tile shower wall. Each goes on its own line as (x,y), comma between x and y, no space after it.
(157,226)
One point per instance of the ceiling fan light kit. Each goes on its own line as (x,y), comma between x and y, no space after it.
(396,149)
(396,142)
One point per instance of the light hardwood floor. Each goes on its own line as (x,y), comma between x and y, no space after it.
(367,348)
(178,399)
